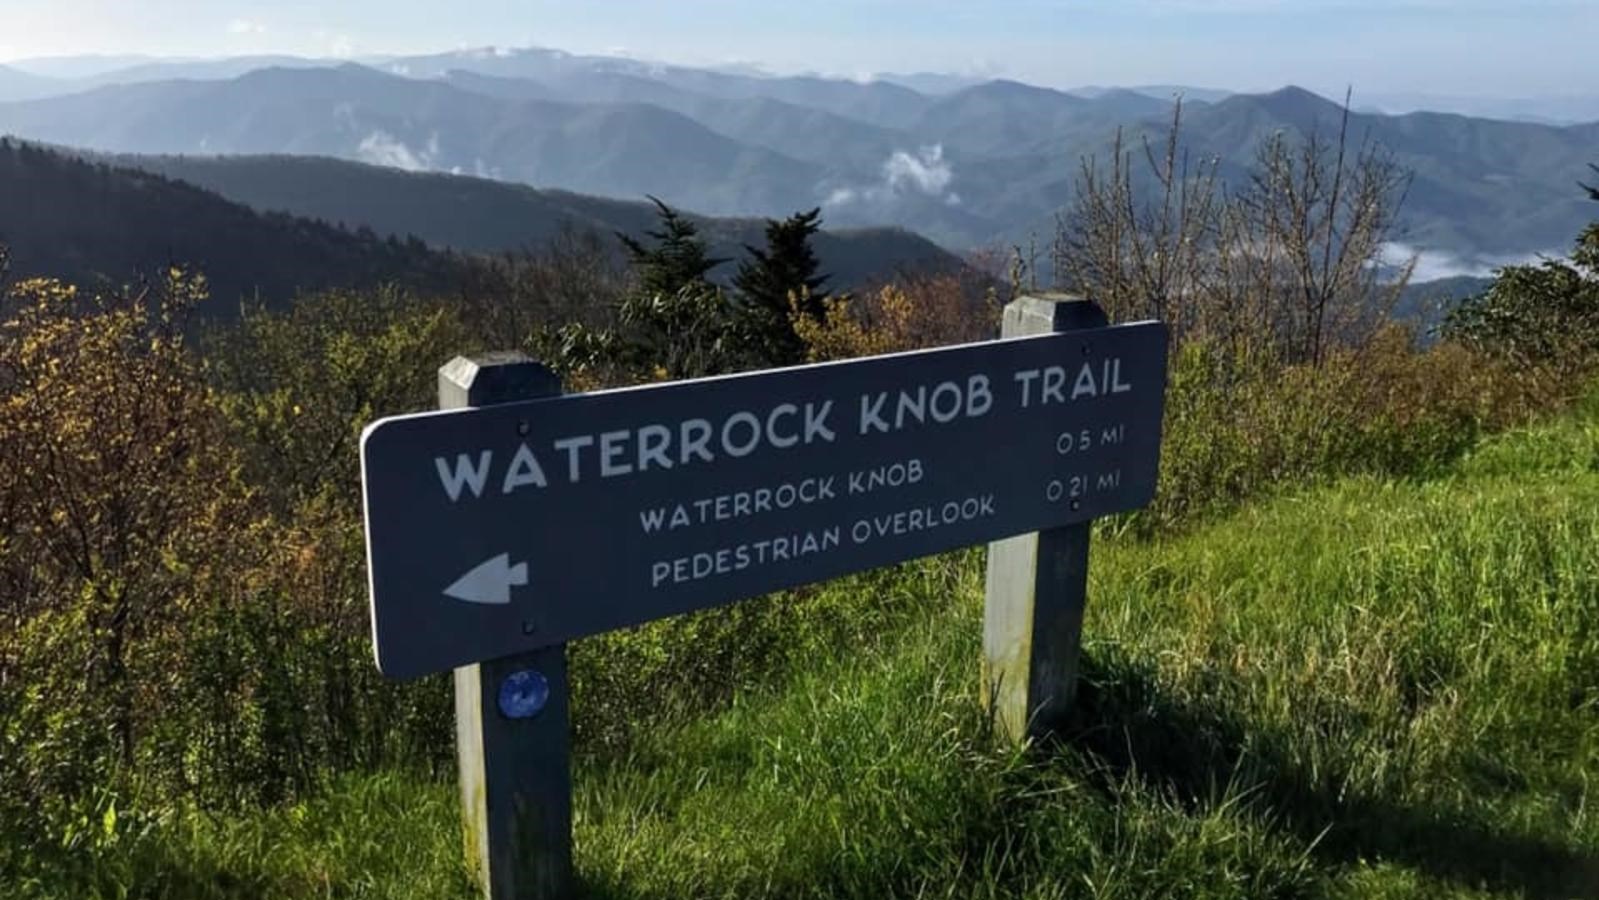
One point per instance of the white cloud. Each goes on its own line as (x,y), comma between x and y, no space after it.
(924,172)
(246,26)
(384,149)
(333,44)
(1432,265)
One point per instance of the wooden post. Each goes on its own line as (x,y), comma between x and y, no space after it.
(511,714)
(1037,583)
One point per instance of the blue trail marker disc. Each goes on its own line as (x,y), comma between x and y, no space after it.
(523,694)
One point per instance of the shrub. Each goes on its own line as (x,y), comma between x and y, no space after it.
(123,517)
(298,385)
(1541,315)
(1237,425)
(912,314)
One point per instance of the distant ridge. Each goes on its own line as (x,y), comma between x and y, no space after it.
(16,84)
(68,218)
(485,216)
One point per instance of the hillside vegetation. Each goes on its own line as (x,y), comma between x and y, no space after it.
(1374,689)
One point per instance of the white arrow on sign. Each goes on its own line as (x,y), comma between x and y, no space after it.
(490,581)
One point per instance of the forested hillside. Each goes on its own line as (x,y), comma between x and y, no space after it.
(481,215)
(68,218)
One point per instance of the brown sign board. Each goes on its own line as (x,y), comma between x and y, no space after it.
(500,529)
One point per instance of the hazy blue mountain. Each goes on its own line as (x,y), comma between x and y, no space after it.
(1164,92)
(1008,118)
(999,118)
(205,69)
(876,103)
(479,215)
(1569,109)
(817,136)
(310,111)
(1425,304)
(1481,188)
(933,84)
(992,162)
(202,69)
(1128,104)
(60,76)
(15,84)
(1479,184)
(80,66)
(535,63)
(354,112)
(593,87)
(873,102)
(801,132)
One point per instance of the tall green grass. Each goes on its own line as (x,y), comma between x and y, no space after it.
(1372,689)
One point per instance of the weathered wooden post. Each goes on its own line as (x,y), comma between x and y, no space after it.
(1037,582)
(511,713)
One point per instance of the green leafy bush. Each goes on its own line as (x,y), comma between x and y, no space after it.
(1540,314)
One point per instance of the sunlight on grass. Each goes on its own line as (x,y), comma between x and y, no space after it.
(1367,690)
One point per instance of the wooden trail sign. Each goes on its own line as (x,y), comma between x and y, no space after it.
(516,520)
(503,528)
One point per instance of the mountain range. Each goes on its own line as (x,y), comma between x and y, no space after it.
(966,164)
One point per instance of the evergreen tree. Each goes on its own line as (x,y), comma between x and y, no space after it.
(677,261)
(677,324)
(765,281)
(1540,313)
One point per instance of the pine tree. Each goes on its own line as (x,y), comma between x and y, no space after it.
(677,324)
(677,261)
(765,281)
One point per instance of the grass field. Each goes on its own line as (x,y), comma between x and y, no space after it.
(1372,689)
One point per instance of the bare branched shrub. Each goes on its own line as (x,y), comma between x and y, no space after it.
(1142,253)
(1285,267)
(1318,215)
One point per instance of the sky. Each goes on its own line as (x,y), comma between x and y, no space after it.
(1499,48)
